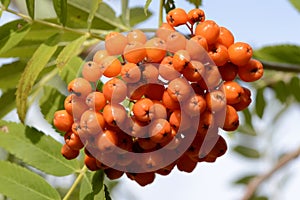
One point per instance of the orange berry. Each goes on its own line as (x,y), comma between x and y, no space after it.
(179,89)
(228,71)
(194,71)
(131,73)
(231,122)
(219,54)
(80,87)
(232,91)
(155,49)
(164,31)
(177,17)
(62,120)
(196,15)
(208,29)
(95,100)
(225,38)
(240,53)
(141,109)
(91,71)
(252,71)
(175,42)
(181,60)
(99,56)
(136,35)
(115,90)
(166,69)
(115,43)
(111,66)
(134,52)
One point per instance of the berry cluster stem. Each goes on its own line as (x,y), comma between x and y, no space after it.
(76,182)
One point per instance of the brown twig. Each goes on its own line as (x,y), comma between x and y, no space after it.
(285,67)
(258,180)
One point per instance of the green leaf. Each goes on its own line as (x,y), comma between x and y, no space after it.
(71,50)
(51,101)
(104,13)
(19,183)
(30,4)
(138,15)
(93,8)
(12,33)
(92,186)
(245,179)
(246,129)
(197,3)
(34,66)
(5,3)
(281,90)
(7,102)
(279,53)
(260,102)
(10,74)
(246,151)
(296,4)
(60,7)
(248,117)
(294,87)
(71,69)
(147,4)
(36,149)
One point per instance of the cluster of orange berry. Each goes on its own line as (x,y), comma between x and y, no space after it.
(162,101)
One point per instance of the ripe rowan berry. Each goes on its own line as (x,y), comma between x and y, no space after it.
(149,73)
(231,122)
(156,49)
(73,141)
(91,71)
(219,54)
(197,48)
(195,105)
(226,37)
(175,42)
(95,100)
(134,52)
(177,17)
(240,53)
(99,56)
(179,120)
(252,71)
(114,114)
(232,91)
(196,15)
(228,71)
(115,90)
(245,100)
(160,131)
(136,35)
(194,71)
(92,123)
(179,89)
(113,174)
(115,43)
(169,102)
(141,109)
(208,29)
(62,120)
(90,163)
(215,100)
(69,153)
(164,31)
(107,141)
(181,60)
(80,87)
(111,66)
(166,69)
(131,73)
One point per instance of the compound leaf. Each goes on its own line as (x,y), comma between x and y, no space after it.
(279,53)
(34,66)
(71,50)
(35,148)
(7,102)
(30,4)
(60,7)
(19,183)
(260,102)
(92,186)
(12,33)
